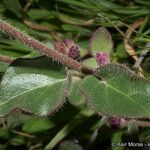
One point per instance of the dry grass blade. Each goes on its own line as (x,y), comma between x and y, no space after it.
(36,26)
(142,56)
(130,49)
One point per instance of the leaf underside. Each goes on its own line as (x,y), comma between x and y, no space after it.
(35,85)
(119,93)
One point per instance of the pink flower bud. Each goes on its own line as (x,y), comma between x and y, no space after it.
(69,48)
(68,43)
(60,47)
(74,52)
(116,122)
(102,58)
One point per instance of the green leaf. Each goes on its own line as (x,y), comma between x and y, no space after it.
(34,33)
(101,41)
(119,93)
(144,2)
(13,6)
(69,145)
(75,29)
(78,4)
(11,48)
(3,66)
(37,125)
(16,119)
(39,13)
(91,63)
(35,85)
(75,97)
(13,44)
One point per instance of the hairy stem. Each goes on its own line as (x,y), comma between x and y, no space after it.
(6,59)
(141,123)
(35,44)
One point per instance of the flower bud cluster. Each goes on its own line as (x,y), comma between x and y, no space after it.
(69,48)
(102,58)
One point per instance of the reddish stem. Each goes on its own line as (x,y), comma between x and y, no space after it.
(6,59)
(35,44)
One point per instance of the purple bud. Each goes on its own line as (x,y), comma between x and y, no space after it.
(68,43)
(74,52)
(68,47)
(102,58)
(60,47)
(72,49)
(116,122)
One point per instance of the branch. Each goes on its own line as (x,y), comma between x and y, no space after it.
(140,123)
(6,59)
(35,44)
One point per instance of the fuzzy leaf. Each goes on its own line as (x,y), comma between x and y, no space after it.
(101,41)
(75,97)
(35,85)
(119,93)
(3,66)
(91,63)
